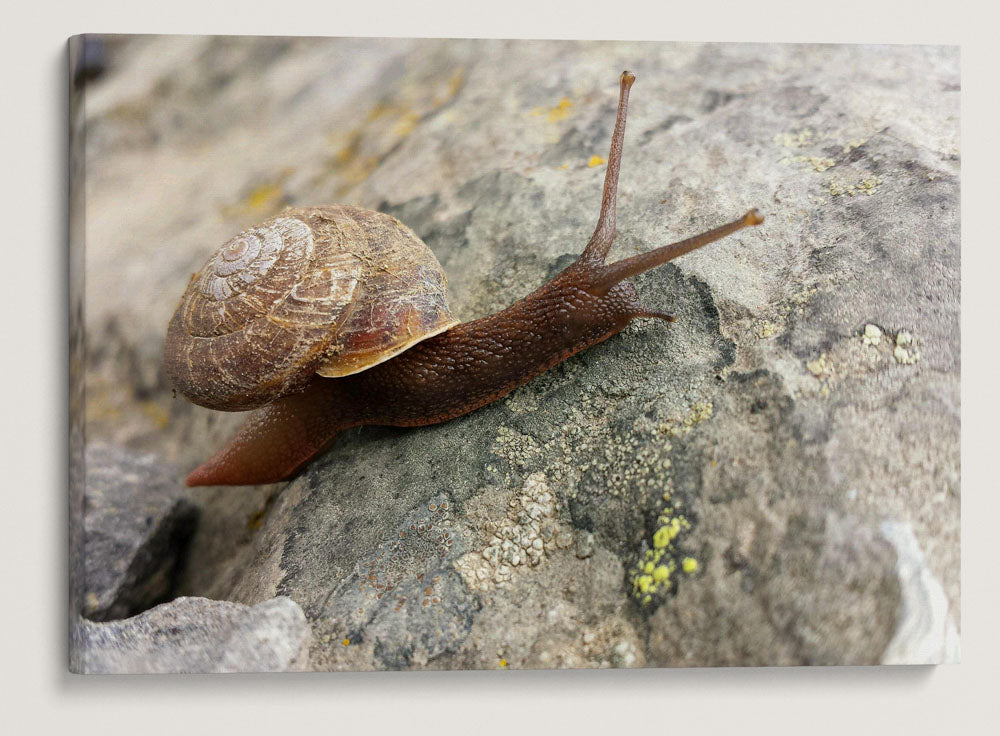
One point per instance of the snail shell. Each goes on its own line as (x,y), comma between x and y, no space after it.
(327,290)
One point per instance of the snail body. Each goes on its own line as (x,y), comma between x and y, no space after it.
(322,319)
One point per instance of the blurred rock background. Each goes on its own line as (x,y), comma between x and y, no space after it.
(772,479)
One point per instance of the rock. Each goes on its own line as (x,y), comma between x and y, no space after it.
(820,591)
(195,635)
(136,525)
(719,484)
(925,632)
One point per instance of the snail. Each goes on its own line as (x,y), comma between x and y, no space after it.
(325,318)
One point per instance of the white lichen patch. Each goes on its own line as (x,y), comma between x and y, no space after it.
(902,353)
(900,348)
(523,538)
(870,349)
(872,335)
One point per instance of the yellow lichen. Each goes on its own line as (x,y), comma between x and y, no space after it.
(264,197)
(689,565)
(869,185)
(818,366)
(856,143)
(798,139)
(596,161)
(651,576)
(818,163)
(765,329)
(698,413)
(262,200)
(821,164)
(156,413)
(557,113)
(866,185)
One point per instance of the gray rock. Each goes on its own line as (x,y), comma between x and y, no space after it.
(136,527)
(196,635)
(720,483)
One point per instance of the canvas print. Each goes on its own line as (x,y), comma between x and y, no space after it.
(405,354)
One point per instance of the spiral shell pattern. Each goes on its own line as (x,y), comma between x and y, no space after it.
(333,289)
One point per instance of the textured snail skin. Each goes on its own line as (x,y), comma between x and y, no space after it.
(466,367)
(441,378)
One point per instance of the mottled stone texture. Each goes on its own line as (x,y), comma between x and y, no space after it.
(196,635)
(136,527)
(764,450)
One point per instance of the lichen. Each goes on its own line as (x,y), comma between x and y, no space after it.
(652,576)
(868,184)
(796,139)
(872,335)
(818,366)
(696,414)
(260,200)
(818,163)
(422,543)
(904,356)
(855,143)
(765,329)
(555,114)
(522,539)
(822,368)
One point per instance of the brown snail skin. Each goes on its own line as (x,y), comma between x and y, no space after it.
(446,371)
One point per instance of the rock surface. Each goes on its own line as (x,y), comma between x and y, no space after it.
(137,526)
(710,492)
(196,635)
